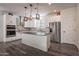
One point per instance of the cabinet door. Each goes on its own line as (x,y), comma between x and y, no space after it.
(18,35)
(10,39)
(13,20)
(10,20)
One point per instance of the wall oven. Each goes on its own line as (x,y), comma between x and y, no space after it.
(10,31)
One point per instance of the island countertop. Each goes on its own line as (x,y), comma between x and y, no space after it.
(35,33)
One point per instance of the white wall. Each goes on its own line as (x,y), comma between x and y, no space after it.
(68,26)
(1,27)
(77,24)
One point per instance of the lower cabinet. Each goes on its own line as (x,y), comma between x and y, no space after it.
(18,35)
(10,39)
(36,41)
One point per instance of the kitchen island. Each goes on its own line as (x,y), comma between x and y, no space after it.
(39,40)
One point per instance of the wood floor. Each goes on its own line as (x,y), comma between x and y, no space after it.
(17,48)
(20,50)
(63,49)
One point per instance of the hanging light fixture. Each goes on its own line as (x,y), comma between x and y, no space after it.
(30,17)
(37,14)
(25,17)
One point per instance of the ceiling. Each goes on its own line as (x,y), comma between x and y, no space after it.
(44,8)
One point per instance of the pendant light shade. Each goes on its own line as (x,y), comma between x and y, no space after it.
(37,16)
(37,13)
(30,17)
(25,17)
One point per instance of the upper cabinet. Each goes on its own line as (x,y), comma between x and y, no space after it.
(10,20)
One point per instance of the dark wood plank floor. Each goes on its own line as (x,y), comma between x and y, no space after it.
(63,49)
(17,48)
(24,50)
(21,50)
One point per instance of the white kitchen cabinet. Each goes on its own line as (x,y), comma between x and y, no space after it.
(10,20)
(29,23)
(9,39)
(18,35)
(6,19)
(37,41)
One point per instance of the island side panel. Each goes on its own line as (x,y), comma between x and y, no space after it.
(36,41)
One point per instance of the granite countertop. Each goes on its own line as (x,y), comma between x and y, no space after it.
(36,33)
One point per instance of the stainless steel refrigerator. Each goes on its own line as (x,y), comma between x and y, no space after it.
(55,29)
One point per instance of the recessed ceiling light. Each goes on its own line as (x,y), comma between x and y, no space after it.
(49,3)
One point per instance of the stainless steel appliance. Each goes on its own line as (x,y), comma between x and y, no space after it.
(55,28)
(10,31)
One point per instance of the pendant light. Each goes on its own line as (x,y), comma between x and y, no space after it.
(25,17)
(37,13)
(30,17)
